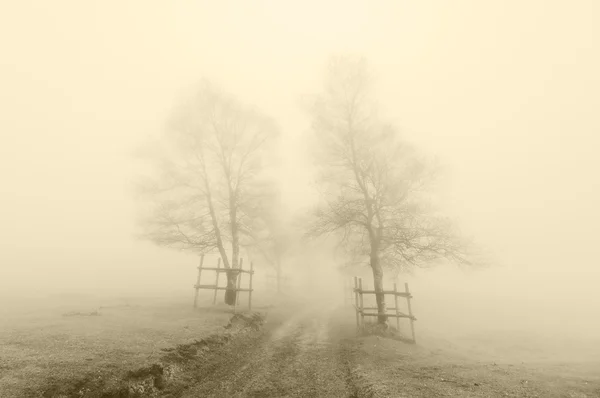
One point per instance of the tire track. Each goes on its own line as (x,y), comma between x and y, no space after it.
(297,359)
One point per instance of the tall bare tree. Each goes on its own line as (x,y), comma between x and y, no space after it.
(374,183)
(211,162)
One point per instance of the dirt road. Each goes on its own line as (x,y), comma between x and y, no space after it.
(296,357)
(314,353)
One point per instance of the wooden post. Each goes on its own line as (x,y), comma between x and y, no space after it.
(362,316)
(366,286)
(412,326)
(250,291)
(239,280)
(198,281)
(356,303)
(217,281)
(396,305)
(363,286)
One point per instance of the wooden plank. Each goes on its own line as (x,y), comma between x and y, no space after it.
(217,280)
(198,281)
(211,287)
(250,286)
(387,313)
(356,303)
(226,269)
(362,320)
(390,315)
(396,308)
(239,282)
(400,294)
(412,318)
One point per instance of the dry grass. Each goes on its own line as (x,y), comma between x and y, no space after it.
(501,365)
(41,347)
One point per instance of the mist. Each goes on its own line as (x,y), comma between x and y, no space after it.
(504,94)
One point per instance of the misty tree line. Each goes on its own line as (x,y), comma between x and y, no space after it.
(211,189)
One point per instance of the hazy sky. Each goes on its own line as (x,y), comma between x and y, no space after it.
(506,93)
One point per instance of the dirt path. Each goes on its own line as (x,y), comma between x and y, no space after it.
(315,353)
(294,358)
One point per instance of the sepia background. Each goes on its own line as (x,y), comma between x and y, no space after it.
(504,94)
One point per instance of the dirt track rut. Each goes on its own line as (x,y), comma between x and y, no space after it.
(298,357)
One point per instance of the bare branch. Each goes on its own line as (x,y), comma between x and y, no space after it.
(211,157)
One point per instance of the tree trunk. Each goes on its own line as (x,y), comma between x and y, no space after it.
(232,275)
(378,283)
(231,293)
(230,296)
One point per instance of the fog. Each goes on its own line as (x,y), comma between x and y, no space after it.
(505,94)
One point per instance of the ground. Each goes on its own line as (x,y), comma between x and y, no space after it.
(315,353)
(294,356)
(439,369)
(299,351)
(50,343)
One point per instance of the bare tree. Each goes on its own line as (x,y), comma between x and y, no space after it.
(374,183)
(211,163)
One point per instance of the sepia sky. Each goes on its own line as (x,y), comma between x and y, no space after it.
(506,94)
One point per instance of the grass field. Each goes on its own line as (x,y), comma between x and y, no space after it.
(54,341)
(482,363)
(61,343)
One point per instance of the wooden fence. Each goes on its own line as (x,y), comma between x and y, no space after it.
(391,312)
(218,270)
